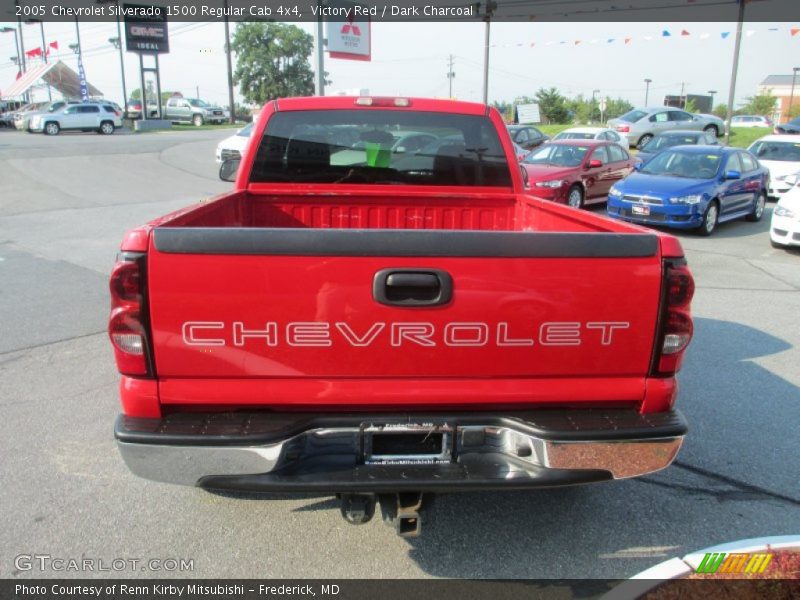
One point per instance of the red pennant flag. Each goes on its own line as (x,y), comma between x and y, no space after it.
(795,31)
(627,40)
(19,74)
(684,32)
(577,42)
(34,52)
(54,45)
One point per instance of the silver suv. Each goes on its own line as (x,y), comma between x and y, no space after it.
(87,116)
(642,124)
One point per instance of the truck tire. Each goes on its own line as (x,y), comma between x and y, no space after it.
(106,128)
(51,128)
(197,120)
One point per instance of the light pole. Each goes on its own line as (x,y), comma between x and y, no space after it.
(712,92)
(117,43)
(791,94)
(450,76)
(320,78)
(647,83)
(591,115)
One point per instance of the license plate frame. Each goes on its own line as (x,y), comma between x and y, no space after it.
(407,443)
(640,210)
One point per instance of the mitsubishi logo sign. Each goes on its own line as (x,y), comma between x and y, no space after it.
(351,26)
(348,30)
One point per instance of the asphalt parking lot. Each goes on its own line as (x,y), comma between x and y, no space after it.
(65,203)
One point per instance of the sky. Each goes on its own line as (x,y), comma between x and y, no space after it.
(412,59)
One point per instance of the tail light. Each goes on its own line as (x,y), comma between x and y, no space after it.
(128,323)
(624,128)
(675,324)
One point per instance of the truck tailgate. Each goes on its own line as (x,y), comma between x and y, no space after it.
(306,322)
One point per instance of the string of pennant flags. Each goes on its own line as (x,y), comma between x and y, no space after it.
(665,33)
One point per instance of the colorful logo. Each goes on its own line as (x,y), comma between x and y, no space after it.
(744,562)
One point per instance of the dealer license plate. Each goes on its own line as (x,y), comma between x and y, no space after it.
(640,210)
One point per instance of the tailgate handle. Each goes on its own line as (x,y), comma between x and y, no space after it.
(412,287)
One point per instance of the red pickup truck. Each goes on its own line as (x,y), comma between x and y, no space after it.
(361,319)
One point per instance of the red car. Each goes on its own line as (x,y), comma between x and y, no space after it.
(576,172)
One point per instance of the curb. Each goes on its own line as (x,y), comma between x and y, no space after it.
(647,580)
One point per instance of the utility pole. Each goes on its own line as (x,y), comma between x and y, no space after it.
(197,91)
(320,54)
(450,75)
(487,17)
(734,70)
(230,67)
(647,83)
(22,50)
(791,94)
(683,98)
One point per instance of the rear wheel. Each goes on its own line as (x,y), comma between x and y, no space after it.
(575,196)
(197,120)
(710,219)
(712,129)
(106,127)
(758,208)
(644,139)
(52,128)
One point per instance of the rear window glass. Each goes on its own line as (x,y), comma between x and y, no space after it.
(633,115)
(661,142)
(566,155)
(109,109)
(381,146)
(574,135)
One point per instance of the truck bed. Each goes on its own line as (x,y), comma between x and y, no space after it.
(359,209)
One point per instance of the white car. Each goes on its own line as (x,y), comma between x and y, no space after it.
(234,146)
(784,230)
(593,133)
(750,121)
(87,116)
(780,154)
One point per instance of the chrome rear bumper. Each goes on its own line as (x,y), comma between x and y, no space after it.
(335,453)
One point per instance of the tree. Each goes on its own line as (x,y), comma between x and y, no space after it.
(690,106)
(552,105)
(761,104)
(721,110)
(616,108)
(272,61)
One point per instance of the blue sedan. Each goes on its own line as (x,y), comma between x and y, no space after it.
(692,187)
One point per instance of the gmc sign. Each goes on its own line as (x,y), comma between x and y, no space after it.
(143,33)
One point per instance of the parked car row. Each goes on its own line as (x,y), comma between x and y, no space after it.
(680,179)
